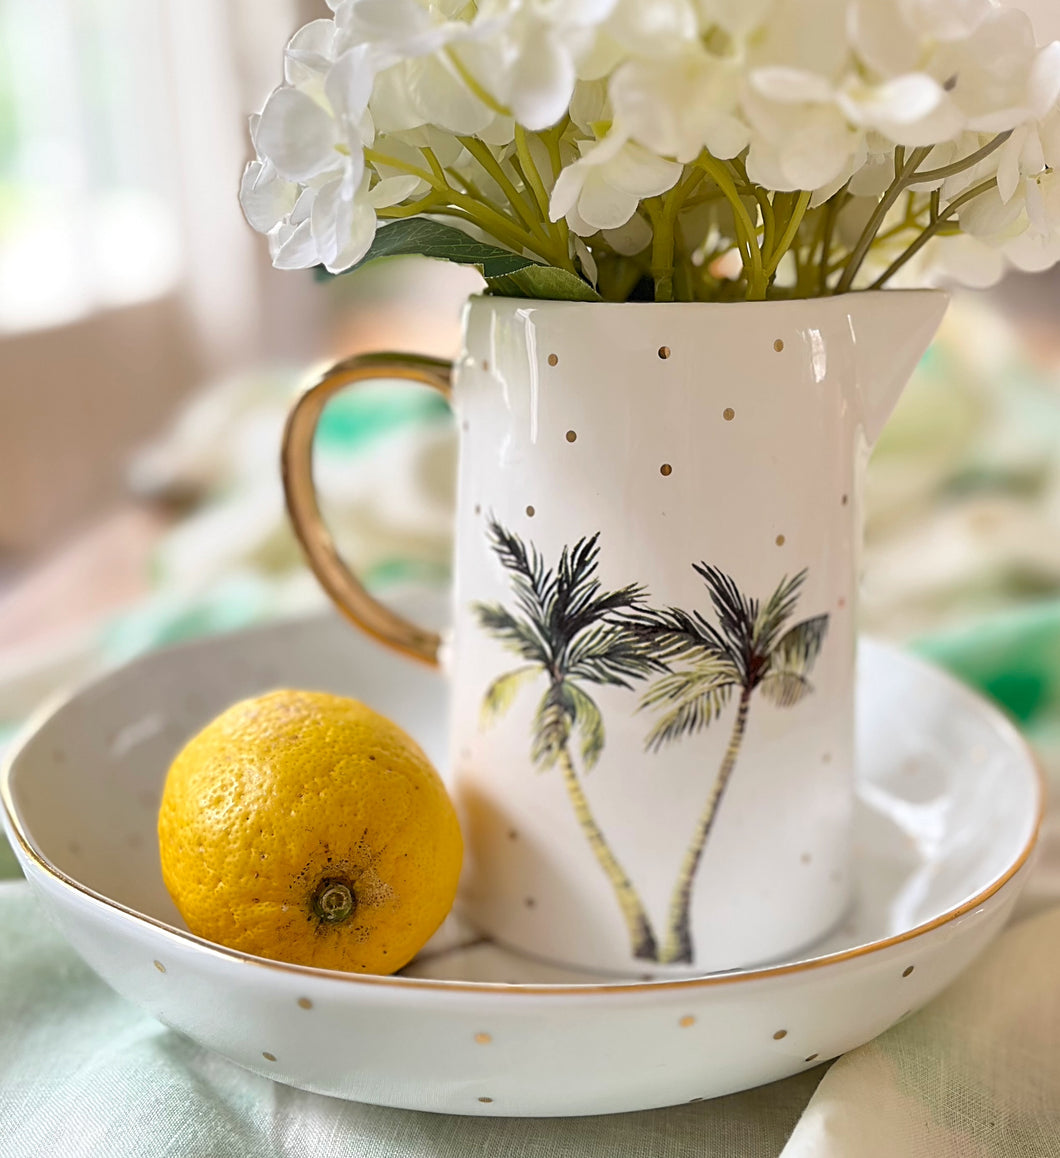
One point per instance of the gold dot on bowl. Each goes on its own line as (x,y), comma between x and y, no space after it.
(666,470)
(909,969)
(686,1021)
(268,1056)
(304,1003)
(483,1038)
(529,902)
(485,1099)
(553,359)
(572,436)
(664,352)
(779,1034)
(160,967)
(781,540)
(530,512)
(728,414)
(812,1057)
(778,345)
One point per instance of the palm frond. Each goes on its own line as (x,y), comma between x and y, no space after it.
(589,724)
(501,694)
(736,613)
(610,654)
(533,583)
(519,635)
(778,609)
(552,725)
(797,649)
(713,673)
(785,688)
(675,634)
(689,715)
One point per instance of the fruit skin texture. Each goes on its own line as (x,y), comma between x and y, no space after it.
(289,805)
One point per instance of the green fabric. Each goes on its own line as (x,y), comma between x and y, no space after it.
(84,1074)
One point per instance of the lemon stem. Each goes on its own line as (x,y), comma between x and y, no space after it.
(333,901)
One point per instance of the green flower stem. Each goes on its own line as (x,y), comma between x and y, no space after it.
(769,218)
(968,162)
(883,207)
(530,172)
(746,229)
(481,152)
(832,210)
(932,229)
(788,236)
(505,229)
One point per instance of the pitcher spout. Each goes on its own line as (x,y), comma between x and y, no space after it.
(891,330)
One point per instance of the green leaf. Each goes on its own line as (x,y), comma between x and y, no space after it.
(500,695)
(429,238)
(544,282)
(506,273)
(797,650)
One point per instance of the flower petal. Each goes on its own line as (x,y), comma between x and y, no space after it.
(297,135)
(265,196)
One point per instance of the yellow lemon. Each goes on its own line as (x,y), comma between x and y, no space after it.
(305,827)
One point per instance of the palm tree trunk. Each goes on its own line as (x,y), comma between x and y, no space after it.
(641,936)
(679,948)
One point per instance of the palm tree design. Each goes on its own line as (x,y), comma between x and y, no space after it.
(751,648)
(571,631)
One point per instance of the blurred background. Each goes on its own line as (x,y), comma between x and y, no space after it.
(148,353)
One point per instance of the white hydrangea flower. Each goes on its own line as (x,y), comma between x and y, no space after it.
(605,186)
(519,120)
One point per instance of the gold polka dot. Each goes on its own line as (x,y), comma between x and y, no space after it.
(686,1021)
(778,345)
(841,603)
(483,1038)
(553,359)
(826,758)
(806,858)
(812,1057)
(666,470)
(728,414)
(664,352)
(530,512)
(512,834)
(160,967)
(781,540)
(478,508)
(572,436)
(846,499)
(304,1003)
(909,969)
(529,902)
(465,425)
(486,366)
(269,1056)
(779,1034)
(485,1099)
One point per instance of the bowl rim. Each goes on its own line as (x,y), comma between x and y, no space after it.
(1000,721)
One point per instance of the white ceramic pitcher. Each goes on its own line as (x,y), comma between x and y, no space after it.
(652,652)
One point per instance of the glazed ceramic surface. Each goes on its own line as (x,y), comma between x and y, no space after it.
(948,807)
(716,450)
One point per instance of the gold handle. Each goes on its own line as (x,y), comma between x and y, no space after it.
(335,577)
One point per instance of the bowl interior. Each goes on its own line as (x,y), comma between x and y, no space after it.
(948,797)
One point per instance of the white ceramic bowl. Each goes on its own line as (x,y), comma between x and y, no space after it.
(949,807)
